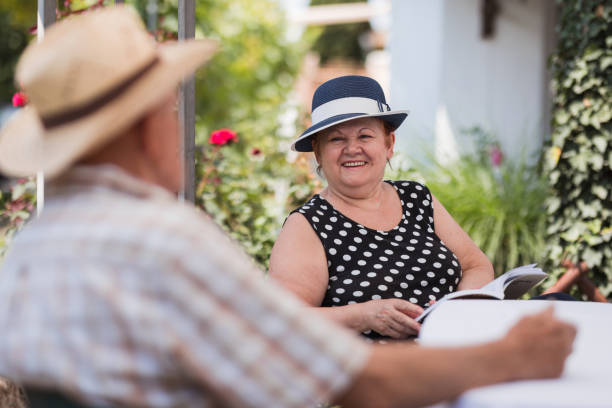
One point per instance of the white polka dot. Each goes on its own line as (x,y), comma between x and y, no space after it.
(437,265)
(340,268)
(377,266)
(337,241)
(383,258)
(402,229)
(346,257)
(342,233)
(456,280)
(394,271)
(404,256)
(335,299)
(394,243)
(357,239)
(307,207)
(413,195)
(410,248)
(347,224)
(432,297)
(376,297)
(455,263)
(430,274)
(357,293)
(413,300)
(333,278)
(340,290)
(302,211)
(414,241)
(371,274)
(442,281)
(397,294)
(378,238)
(419,217)
(441,256)
(324,207)
(417,292)
(399,263)
(364,284)
(424,283)
(426,251)
(324,235)
(435,289)
(418,187)
(450,288)
(382,287)
(416,268)
(332,251)
(416,233)
(410,205)
(363,232)
(373,246)
(328,227)
(398,238)
(426,203)
(442,249)
(315,219)
(352,248)
(361,262)
(355,272)
(410,276)
(429,244)
(389,279)
(367,253)
(450,272)
(388,252)
(421,260)
(404,285)
(347,281)
(333,219)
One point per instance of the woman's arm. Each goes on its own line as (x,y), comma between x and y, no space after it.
(298,263)
(477,269)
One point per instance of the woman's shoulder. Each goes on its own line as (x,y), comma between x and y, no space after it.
(410,186)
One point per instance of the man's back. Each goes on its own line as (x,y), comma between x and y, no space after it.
(140,299)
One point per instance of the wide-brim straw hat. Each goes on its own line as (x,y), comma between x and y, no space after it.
(347,98)
(90,79)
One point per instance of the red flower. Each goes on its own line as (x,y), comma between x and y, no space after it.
(496,156)
(255,151)
(19,99)
(223,136)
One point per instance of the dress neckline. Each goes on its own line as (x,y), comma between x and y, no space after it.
(364,226)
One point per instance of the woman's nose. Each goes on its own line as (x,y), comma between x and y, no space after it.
(352,146)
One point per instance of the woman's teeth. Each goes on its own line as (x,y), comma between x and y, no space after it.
(354,164)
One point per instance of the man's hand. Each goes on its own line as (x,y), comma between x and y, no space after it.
(539,345)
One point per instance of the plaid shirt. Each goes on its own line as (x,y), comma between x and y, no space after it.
(119,294)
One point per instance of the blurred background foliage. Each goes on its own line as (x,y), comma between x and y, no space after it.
(339,41)
(579,154)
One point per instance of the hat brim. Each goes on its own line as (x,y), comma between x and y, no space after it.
(304,142)
(26,147)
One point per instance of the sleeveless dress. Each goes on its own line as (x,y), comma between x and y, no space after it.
(408,262)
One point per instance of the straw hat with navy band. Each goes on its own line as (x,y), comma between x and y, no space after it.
(346,98)
(89,80)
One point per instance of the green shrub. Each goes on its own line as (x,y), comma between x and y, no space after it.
(579,157)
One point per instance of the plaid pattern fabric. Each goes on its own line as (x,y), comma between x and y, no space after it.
(118,293)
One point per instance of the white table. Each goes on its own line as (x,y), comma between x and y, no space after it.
(587,379)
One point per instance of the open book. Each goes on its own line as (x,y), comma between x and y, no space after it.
(510,285)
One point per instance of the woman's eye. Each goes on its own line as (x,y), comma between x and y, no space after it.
(364,136)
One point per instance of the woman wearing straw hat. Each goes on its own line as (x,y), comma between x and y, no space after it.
(378,251)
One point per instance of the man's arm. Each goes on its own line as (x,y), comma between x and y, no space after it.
(411,376)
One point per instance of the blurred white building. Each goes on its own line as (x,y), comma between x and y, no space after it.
(453,77)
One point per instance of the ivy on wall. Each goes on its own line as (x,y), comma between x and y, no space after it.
(579,156)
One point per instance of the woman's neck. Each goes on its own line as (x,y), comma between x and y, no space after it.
(368,200)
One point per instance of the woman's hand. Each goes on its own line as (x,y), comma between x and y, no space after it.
(391,317)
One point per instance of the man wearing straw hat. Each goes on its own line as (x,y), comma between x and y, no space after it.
(119,295)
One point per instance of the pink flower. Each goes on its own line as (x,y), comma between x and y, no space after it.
(19,99)
(496,156)
(223,136)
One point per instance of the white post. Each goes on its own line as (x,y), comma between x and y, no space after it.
(186,29)
(46,17)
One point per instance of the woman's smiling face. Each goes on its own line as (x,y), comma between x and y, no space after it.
(353,154)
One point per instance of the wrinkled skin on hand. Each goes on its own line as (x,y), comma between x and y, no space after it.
(392,317)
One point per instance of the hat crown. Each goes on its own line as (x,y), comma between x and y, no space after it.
(346,87)
(67,70)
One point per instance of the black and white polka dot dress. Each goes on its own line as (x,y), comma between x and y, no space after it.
(409,261)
